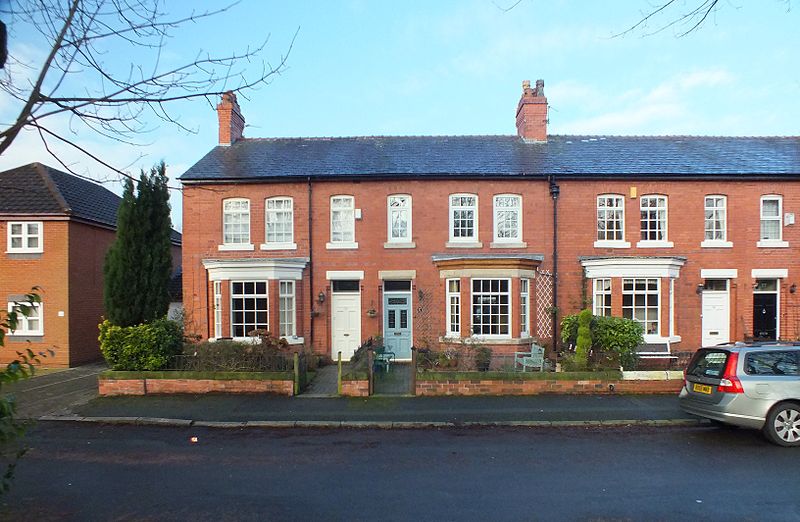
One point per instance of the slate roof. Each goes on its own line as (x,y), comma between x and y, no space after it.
(39,189)
(499,156)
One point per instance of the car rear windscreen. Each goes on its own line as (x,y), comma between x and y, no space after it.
(708,363)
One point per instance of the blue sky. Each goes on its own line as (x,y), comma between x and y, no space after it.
(379,67)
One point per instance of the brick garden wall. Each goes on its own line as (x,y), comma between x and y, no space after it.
(355,388)
(111,387)
(537,387)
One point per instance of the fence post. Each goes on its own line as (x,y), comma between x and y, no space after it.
(413,370)
(370,370)
(339,377)
(296,373)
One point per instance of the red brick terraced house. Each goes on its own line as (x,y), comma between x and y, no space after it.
(433,239)
(57,228)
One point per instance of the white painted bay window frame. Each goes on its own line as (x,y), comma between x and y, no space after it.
(524,307)
(453,312)
(490,294)
(22,231)
(287,309)
(629,310)
(601,297)
(245,295)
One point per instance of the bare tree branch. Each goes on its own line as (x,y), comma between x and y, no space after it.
(86,78)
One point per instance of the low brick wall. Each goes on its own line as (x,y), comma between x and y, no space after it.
(358,388)
(146,383)
(496,385)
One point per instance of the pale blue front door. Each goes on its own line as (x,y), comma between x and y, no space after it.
(397,324)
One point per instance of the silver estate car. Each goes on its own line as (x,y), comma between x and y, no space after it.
(751,385)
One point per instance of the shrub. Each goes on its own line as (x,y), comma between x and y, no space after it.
(584,342)
(614,339)
(268,354)
(144,347)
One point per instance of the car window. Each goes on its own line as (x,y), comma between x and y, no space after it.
(708,363)
(772,363)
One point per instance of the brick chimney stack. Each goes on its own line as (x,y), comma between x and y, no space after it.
(532,113)
(231,121)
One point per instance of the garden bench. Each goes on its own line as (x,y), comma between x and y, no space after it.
(532,359)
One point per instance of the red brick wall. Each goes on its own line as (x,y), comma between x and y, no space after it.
(109,387)
(203,234)
(355,388)
(49,271)
(538,387)
(577,226)
(87,250)
(577,233)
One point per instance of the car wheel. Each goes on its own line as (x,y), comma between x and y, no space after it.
(783,425)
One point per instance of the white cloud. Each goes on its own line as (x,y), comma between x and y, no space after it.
(667,108)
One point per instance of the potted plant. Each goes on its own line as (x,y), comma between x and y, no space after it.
(483,358)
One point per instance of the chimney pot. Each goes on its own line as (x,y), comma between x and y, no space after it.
(231,121)
(532,113)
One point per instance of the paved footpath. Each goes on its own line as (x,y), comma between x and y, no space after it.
(55,393)
(385,412)
(72,395)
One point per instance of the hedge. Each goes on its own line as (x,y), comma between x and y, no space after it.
(148,346)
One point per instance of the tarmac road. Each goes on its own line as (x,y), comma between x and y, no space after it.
(99,472)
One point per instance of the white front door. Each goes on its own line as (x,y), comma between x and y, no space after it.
(346,325)
(716,316)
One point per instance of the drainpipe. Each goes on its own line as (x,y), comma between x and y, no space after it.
(555,191)
(310,273)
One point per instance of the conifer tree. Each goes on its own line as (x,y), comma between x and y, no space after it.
(139,262)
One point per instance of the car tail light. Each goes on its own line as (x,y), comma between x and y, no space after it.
(730,383)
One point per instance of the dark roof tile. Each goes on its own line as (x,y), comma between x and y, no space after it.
(436,156)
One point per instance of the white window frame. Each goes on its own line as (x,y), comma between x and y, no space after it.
(601,289)
(490,293)
(617,215)
(771,242)
(473,239)
(393,211)
(715,210)
(23,322)
(340,214)
(25,236)
(648,336)
(287,303)
(524,307)
(273,214)
(244,295)
(217,309)
(245,243)
(453,307)
(662,218)
(496,210)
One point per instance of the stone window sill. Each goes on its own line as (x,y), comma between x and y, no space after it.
(772,243)
(716,243)
(400,245)
(612,244)
(457,244)
(236,247)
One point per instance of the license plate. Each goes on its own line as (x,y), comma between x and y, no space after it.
(702,388)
